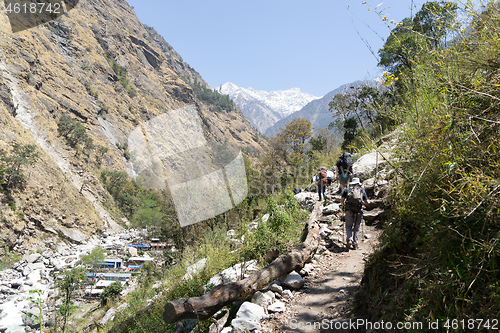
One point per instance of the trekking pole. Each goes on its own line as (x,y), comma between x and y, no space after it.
(362,229)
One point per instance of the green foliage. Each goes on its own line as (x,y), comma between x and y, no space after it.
(362,113)
(111,292)
(441,250)
(412,37)
(8,259)
(74,133)
(95,256)
(281,231)
(220,102)
(12,163)
(121,74)
(38,302)
(69,281)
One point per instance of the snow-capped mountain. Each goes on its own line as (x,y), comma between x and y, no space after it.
(263,109)
(318,111)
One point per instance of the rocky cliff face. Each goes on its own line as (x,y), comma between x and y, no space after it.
(101,66)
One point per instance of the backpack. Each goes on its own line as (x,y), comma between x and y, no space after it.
(346,161)
(354,199)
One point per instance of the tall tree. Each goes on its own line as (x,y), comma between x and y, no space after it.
(68,284)
(412,36)
(296,133)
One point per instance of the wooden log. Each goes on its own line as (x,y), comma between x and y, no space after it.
(205,306)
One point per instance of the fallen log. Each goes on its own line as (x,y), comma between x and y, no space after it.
(205,306)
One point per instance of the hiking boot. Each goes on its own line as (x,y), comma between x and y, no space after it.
(355,246)
(348,244)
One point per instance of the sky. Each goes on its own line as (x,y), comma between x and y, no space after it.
(315,45)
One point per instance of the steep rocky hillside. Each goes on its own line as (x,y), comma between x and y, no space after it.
(99,65)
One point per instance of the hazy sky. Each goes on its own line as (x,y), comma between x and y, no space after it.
(314,45)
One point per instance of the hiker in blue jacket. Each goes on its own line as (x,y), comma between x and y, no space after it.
(352,199)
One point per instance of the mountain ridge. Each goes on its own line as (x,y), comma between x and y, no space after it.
(318,111)
(263,108)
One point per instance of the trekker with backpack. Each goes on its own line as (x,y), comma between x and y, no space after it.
(344,170)
(352,199)
(321,181)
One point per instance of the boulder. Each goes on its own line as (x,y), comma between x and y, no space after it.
(332,208)
(194,269)
(109,316)
(122,307)
(306,270)
(233,274)
(292,280)
(366,165)
(287,294)
(72,235)
(277,307)
(33,258)
(276,288)
(31,320)
(248,317)
(324,232)
(132,251)
(372,215)
(263,299)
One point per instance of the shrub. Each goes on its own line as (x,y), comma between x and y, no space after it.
(111,292)
(74,133)
(12,163)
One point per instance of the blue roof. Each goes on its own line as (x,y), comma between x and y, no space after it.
(109,274)
(139,245)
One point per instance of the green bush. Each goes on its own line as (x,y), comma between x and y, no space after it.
(121,74)
(283,230)
(12,163)
(73,132)
(111,292)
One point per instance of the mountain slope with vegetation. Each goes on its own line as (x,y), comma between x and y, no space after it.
(440,253)
(71,92)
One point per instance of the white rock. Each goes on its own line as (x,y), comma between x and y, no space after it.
(292,280)
(253,225)
(303,196)
(109,316)
(287,294)
(122,307)
(262,299)
(248,317)
(277,306)
(233,274)
(33,257)
(194,269)
(276,288)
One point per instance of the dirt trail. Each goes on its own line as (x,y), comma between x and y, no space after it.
(326,298)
